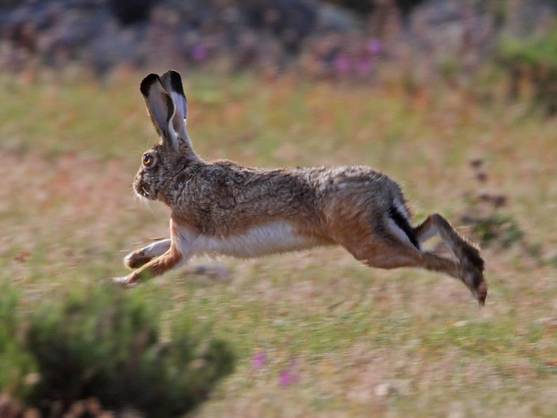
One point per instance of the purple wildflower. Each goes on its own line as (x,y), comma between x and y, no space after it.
(289,376)
(342,64)
(375,46)
(199,53)
(259,360)
(364,66)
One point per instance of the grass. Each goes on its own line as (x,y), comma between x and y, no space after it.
(356,342)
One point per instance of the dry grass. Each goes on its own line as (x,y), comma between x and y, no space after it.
(316,333)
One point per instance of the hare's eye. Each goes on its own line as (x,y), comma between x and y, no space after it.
(148,160)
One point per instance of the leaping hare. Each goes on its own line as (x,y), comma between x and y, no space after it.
(223,208)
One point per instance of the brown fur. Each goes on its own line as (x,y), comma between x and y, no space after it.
(348,206)
(149,267)
(156,266)
(223,198)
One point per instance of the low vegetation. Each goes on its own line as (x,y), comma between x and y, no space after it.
(315,333)
(108,346)
(532,67)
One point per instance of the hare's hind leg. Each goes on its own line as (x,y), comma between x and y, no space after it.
(137,258)
(391,255)
(387,245)
(464,251)
(471,263)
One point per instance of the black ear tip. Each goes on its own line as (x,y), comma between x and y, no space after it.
(176,82)
(147,82)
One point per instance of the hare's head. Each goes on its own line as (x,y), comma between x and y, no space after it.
(167,106)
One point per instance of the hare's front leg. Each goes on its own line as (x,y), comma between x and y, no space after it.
(175,251)
(138,258)
(172,258)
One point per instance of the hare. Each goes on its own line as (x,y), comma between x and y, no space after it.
(223,208)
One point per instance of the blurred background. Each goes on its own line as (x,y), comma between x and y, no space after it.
(456,100)
(330,39)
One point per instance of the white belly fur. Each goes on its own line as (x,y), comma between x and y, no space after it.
(274,237)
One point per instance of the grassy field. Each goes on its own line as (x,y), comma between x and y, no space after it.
(316,333)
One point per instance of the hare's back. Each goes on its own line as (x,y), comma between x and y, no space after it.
(357,198)
(248,212)
(244,212)
(223,198)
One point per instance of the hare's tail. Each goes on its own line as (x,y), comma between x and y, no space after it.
(403,224)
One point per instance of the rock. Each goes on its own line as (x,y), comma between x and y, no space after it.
(328,40)
(393,387)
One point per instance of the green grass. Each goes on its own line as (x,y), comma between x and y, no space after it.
(68,216)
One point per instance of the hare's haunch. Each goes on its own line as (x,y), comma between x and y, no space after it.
(223,208)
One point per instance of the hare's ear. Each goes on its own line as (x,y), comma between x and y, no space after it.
(172,82)
(161,109)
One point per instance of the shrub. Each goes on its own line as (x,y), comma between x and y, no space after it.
(15,363)
(496,230)
(533,61)
(484,212)
(107,344)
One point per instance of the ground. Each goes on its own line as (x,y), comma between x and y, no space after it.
(316,333)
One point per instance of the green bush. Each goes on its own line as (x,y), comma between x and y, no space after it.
(15,363)
(107,344)
(497,230)
(533,61)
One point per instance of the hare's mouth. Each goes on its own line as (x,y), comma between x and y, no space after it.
(145,192)
(142,191)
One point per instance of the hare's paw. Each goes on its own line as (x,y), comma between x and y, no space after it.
(472,268)
(124,281)
(136,259)
(474,280)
